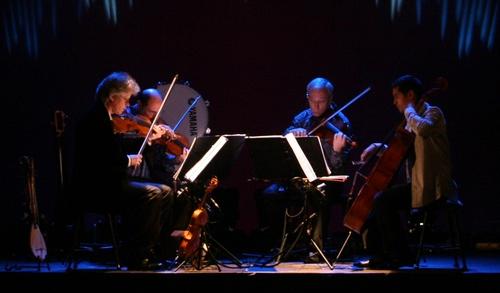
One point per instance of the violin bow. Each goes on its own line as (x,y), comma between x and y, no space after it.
(339,110)
(186,112)
(157,114)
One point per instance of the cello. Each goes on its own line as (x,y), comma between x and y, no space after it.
(381,175)
(385,168)
(192,236)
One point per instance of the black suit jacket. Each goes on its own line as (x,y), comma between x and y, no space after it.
(100,162)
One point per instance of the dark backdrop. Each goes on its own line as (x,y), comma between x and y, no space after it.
(252,60)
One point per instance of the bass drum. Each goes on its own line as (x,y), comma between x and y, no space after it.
(195,123)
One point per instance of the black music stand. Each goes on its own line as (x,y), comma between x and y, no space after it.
(208,156)
(275,160)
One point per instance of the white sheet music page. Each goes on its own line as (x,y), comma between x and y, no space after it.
(301,158)
(195,171)
(334,178)
(328,171)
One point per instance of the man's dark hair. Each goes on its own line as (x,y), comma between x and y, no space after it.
(406,83)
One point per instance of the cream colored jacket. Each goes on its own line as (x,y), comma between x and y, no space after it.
(431,174)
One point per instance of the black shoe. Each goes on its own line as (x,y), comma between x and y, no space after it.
(377,263)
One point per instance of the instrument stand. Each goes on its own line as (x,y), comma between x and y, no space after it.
(197,259)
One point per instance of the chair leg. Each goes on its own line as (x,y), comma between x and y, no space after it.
(72,259)
(456,238)
(421,241)
(111,221)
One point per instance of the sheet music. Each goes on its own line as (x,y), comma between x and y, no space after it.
(301,158)
(195,171)
(334,178)
(323,155)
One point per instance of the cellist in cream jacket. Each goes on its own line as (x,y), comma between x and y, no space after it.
(428,181)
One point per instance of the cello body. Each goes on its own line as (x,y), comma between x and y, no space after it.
(379,179)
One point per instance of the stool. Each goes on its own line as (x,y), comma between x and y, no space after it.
(452,209)
(110,218)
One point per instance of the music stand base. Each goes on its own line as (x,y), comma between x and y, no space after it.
(341,249)
(299,229)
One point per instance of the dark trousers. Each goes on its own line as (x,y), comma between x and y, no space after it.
(389,208)
(147,207)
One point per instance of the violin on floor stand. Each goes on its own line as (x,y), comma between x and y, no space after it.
(196,241)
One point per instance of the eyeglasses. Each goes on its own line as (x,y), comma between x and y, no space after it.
(125,98)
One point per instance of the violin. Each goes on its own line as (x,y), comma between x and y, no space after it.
(122,124)
(192,236)
(328,131)
(175,146)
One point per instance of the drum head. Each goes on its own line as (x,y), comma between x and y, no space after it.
(195,123)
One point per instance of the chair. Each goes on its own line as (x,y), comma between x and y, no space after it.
(110,219)
(426,222)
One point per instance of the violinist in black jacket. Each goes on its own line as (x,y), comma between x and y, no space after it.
(319,94)
(101,181)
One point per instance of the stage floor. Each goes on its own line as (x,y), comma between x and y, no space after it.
(484,262)
(483,273)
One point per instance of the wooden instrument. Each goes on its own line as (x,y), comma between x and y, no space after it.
(37,242)
(192,236)
(384,169)
(325,129)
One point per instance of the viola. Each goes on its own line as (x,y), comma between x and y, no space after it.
(176,145)
(192,236)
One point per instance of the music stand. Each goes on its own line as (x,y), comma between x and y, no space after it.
(288,158)
(274,159)
(209,156)
(218,161)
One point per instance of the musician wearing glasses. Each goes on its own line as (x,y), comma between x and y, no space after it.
(101,182)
